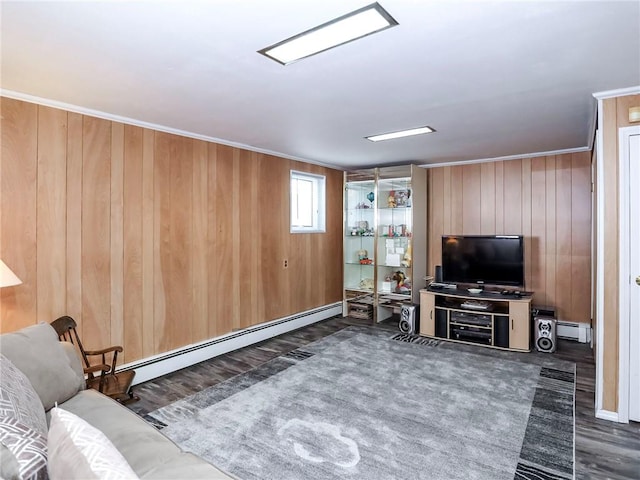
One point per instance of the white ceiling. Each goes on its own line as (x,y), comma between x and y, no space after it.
(494,79)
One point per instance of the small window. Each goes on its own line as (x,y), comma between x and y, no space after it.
(307,202)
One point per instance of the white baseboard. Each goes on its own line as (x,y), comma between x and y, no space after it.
(158,365)
(607,415)
(580,332)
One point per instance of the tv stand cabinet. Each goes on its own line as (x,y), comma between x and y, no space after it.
(489,318)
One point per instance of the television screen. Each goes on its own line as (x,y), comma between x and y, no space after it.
(483,259)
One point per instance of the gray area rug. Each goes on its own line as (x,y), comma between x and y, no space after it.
(362,404)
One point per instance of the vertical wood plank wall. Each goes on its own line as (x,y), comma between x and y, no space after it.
(545,199)
(151,240)
(615,115)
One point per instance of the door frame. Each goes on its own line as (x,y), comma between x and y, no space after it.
(624,279)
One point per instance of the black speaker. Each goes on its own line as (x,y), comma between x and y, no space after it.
(438,274)
(407,322)
(545,331)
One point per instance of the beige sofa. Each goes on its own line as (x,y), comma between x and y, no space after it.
(54,371)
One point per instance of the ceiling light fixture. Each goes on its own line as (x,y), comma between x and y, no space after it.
(352,26)
(400,134)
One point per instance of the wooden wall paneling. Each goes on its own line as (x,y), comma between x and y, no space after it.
(526,220)
(610,271)
(299,245)
(563,237)
(132,196)
(512,197)
(471,199)
(550,229)
(258,297)
(96,235)
(51,213)
(179,294)
(148,297)
(161,237)
(581,199)
(117,234)
(74,218)
(247,172)
(457,200)
(499,183)
(274,199)
(18,190)
(335,207)
(234,278)
(488,198)
(221,239)
(256,279)
(538,230)
(435,220)
(622,109)
(199,252)
(446,210)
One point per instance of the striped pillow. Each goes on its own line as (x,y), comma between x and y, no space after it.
(80,451)
(18,398)
(28,446)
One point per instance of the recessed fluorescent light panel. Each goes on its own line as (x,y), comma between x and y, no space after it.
(400,134)
(357,24)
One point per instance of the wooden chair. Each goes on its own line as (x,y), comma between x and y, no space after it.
(100,376)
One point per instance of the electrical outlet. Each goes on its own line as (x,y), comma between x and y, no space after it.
(285,264)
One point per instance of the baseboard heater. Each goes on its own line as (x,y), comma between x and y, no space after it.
(580,332)
(162,364)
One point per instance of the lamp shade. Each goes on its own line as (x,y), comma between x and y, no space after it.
(7,277)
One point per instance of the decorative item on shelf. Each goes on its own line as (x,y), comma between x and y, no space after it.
(406,261)
(371,197)
(402,198)
(388,285)
(362,254)
(366,283)
(403,284)
(391,200)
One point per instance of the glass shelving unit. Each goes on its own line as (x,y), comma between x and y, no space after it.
(359,244)
(385,246)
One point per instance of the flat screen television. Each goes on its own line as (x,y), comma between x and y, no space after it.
(483,259)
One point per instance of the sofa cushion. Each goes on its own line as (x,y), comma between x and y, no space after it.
(28,446)
(149,453)
(18,399)
(80,451)
(36,351)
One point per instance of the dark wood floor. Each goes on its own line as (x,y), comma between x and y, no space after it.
(604,450)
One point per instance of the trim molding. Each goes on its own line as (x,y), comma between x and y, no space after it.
(158,365)
(607,415)
(619,92)
(600,264)
(152,126)
(624,270)
(508,157)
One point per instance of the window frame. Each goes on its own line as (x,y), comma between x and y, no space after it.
(319,204)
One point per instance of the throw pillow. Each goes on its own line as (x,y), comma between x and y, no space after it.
(80,451)
(36,351)
(18,399)
(28,446)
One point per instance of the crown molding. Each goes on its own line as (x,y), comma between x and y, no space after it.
(152,126)
(508,157)
(619,92)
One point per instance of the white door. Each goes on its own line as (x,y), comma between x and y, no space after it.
(634,287)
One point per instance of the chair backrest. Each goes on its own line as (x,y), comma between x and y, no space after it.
(65,327)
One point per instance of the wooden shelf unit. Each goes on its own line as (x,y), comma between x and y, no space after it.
(504,324)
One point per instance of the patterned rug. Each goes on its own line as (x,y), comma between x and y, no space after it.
(367,404)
